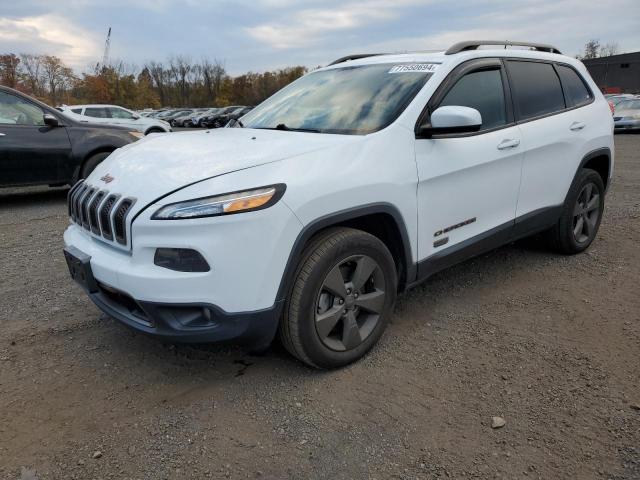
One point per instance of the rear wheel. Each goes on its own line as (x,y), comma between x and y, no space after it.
(581,215)
(342,296)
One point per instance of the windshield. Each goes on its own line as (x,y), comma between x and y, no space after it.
(350,100)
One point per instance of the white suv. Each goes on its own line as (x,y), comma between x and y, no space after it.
(115,115)
(352,184)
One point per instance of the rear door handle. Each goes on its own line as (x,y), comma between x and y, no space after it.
(575,126)
(3,134)
(508,143)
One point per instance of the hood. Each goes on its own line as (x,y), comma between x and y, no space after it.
(162,163)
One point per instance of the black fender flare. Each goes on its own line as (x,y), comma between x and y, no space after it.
(337,218)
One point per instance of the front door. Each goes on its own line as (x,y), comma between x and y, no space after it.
(30,151)
(468,183)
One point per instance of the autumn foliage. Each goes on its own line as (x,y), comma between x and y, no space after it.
(177,82)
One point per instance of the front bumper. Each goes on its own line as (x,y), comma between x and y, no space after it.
(237,299)
(189,323)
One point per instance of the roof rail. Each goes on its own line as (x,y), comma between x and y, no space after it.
(357,56)
(474,44)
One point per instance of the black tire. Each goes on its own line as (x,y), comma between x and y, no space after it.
(91,163)
(154,130)
(346,251)
(578,226)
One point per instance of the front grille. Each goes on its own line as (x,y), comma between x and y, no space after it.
(101,212)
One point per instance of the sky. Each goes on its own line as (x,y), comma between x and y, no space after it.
(262,35)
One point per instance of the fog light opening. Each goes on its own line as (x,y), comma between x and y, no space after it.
(180,260)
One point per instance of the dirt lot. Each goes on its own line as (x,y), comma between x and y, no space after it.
(549,343)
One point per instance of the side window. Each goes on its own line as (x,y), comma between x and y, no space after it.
(96,112)
(483,91)
(536,88)
(575,89)
(77,110)
(120,113)
(16,111)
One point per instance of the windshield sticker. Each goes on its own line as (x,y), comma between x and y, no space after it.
(414,67)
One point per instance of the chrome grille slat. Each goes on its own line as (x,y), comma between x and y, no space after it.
(102,213)
(105,216)
(85,207)
(93,212)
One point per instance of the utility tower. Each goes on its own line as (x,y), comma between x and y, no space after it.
(107,46)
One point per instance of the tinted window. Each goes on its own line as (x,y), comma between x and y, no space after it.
(16,111)
(483,91)
(347,100)
(536,88)
(120,113)
(574,88)
(77,110)
(96,112)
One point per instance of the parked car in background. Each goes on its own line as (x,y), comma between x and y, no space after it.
(351,184)
(627,115)
(40,145)
(616,99)
(180,120)
(176,114)
(217,120)
(115,115)
(235,115)
(196,119)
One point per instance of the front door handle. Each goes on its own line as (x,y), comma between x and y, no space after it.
(575,126)
(3,134)
(508,143)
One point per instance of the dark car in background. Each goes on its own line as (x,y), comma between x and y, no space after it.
(235,115)
(41,146)
(217,120)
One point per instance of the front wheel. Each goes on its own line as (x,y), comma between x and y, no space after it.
(343,293)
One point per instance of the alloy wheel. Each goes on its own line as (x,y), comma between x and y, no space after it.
(586,213)
(350,302)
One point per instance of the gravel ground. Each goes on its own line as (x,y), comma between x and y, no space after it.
(549,343)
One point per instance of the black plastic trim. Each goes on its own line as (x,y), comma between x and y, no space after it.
(503,234)
(166,320)
(599,152)
(336,219)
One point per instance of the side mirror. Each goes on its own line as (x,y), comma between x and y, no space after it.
(50,120)
(451,119)
(136,116)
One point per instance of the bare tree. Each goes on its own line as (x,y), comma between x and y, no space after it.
(32,72)
(213,75)
(609,49)
(159,75)
(180,67)
(591,49)
(54,74)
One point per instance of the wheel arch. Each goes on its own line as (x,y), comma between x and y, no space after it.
(87,156)
(600,161)
(382,220)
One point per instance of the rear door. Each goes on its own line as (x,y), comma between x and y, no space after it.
(120,116)
(468,183)
(551,137)
(30,151)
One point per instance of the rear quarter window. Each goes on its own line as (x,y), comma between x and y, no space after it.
(575,89)
(536,88)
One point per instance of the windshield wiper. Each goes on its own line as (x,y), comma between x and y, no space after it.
(282,126)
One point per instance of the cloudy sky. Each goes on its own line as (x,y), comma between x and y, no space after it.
(263,34)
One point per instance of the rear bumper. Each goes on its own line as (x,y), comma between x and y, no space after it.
(626,125)
(189,323)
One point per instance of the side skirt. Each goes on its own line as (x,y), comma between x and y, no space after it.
(521,227)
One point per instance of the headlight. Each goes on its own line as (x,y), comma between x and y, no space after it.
(226,204)
(137,134)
